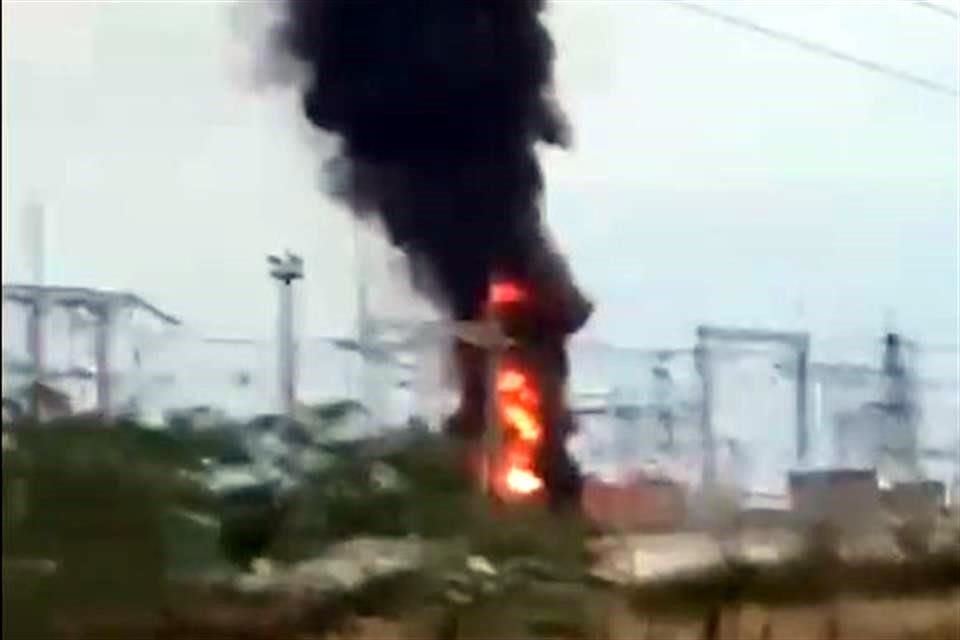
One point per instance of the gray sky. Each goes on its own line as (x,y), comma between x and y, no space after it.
(717,175)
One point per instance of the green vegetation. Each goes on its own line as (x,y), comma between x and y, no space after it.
(117,511)
(120,512)
(433,498)
(106,506)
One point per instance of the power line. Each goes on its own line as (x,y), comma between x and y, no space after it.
(816,47)
(933,6)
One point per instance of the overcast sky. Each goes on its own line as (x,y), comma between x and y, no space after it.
(717,175)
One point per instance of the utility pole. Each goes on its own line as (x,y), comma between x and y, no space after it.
(702,362)
(487,334)
(492,437)
(36,221)
(285,270)
(802,432)
(103,345)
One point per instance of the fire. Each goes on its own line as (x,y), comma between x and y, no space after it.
(518,402)
(506,293)
(510,380)
(514,383)
(523,422)
(523,481)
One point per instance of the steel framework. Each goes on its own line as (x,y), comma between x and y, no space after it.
(102,305)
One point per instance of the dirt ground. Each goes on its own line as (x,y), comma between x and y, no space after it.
(933,617)
(914,618)
(930,618)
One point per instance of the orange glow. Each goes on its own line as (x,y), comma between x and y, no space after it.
(515,384)
(510,380)
(518,402)
(528,397)
(523,422)
(522,481)
(505,293)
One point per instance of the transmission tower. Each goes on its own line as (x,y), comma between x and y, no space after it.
(663,394)
(899,401)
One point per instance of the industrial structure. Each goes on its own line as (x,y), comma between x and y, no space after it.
(710,338)
(105,307)
(658,417)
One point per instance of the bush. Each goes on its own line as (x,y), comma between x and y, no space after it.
(342,502)
(98,502)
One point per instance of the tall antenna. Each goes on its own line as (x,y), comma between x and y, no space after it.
(889,321)
(35,221)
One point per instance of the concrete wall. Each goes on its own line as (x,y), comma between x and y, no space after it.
(642,505)
(844,498)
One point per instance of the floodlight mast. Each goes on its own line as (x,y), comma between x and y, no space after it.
(285,270)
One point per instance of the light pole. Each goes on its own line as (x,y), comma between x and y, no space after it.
(285,270)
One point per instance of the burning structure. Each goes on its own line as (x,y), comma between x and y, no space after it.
(438,105)
(529,401)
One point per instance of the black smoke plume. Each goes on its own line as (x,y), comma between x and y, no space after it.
(438,105)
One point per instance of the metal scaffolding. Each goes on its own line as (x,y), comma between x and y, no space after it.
(799,343)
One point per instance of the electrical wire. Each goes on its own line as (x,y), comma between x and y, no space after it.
(817,48)
(938,8)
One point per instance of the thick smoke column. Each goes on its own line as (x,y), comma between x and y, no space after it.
(438,105)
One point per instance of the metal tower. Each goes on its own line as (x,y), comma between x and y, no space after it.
(799,343)
(663,396)
(899,402)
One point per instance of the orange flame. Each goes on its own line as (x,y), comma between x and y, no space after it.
(515,384)
(523,422)
(510,380)
(518,403)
